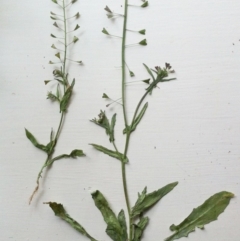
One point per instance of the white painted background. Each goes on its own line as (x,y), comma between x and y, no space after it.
(190,133)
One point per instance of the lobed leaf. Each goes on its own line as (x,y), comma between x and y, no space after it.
(111,153)
(202,215)
(114,228)
(145,201)
(59,211)
(75,153)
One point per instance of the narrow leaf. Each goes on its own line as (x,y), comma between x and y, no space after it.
(73,154)
(114,229)
(66,97)
(111,153)
(105,31)
(149,71)
(145,201)
(139,228)
(31,138)
(139,117)
(202,215)
(59,211)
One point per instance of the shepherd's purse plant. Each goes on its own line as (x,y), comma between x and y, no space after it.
(64,88)
(132,224)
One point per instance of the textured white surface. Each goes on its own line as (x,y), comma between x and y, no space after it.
(190,133)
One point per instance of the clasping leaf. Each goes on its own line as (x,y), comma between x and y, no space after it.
(202,215)
(35,142)
(104,123)
(145,201)
(66,97)
(111,153)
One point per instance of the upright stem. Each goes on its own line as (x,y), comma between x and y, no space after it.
(125,117)
(123,61)
(65,41)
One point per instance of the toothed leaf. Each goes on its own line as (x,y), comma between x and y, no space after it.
(145,201)
(202,215)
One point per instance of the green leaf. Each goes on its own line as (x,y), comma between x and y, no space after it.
(75,153)
(143,42)
(66,97)
(139,228)
(52,97)
(104,123)
(34,141)
(139,117)
(114,229)
(123,224)
(149,71)
(111,153)
(113,122)
(105,31)
(105,96)
(202,215)
(59,211)
(144,4)
(58,92)
(143,31)
(145,201)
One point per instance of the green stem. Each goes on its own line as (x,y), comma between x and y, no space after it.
(123,61)
(49,157)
